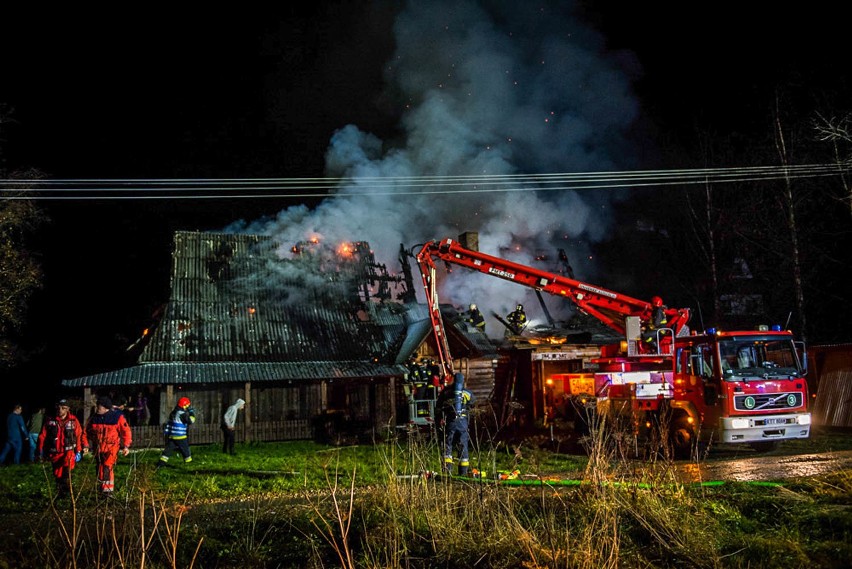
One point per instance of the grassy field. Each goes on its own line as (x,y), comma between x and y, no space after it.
(301,504)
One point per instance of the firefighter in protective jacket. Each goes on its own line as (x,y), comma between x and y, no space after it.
(517,319)
(657,321)
(107,433)
(176,431)
(453,407)
(61,441)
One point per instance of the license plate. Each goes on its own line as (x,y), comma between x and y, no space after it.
(776,422)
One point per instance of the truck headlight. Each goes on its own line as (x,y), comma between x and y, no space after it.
(804,419)
(739,423)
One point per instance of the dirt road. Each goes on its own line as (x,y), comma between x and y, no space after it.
(766,467)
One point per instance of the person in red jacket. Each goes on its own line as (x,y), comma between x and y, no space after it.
(107,432)
(61,440)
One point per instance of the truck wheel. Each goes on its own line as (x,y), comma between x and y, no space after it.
(764,446)
(682,439)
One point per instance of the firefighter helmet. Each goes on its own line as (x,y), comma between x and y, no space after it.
(183,402)
(520,308)
(656,301)
(473,307)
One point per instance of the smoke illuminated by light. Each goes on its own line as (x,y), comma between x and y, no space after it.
(500,69)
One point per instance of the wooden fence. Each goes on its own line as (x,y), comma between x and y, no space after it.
(152,436)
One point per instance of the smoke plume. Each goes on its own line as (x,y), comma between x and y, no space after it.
(490,89)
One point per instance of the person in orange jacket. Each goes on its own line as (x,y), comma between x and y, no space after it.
(107,432)
(61,440)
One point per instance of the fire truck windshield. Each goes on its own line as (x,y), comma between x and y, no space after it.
(758,356)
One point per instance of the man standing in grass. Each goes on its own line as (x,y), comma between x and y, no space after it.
(16,434)
(34,426)
(61,441)
(453,408)
(107,433)
(229,424)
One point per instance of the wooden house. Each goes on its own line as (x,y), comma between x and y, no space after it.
(301,337)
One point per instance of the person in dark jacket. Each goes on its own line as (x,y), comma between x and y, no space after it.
(517,319)
(16,434)
(475,318)
(177,429)
(453,409)
(61,441)
(657,321)
(107,433)
(34,426)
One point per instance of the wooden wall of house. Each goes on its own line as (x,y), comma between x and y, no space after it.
(274,403)
(277,412)
(478,375)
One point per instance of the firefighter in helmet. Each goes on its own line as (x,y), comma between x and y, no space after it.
(475,318)
(657,321)
(517,319)
(176,431)
(453,409)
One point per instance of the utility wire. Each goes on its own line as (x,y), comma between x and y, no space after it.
(260,188)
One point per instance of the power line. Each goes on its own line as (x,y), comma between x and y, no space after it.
(290,188)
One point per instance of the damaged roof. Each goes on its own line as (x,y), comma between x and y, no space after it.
(238,311)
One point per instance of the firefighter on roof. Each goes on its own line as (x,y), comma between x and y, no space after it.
(107,433)
(475,318)
(453,409)
(177,439)
(517,319)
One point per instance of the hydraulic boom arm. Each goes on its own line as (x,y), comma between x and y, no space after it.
(608,307)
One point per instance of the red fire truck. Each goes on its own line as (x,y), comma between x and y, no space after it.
(726,386)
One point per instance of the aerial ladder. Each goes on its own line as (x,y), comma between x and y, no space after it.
(623,314)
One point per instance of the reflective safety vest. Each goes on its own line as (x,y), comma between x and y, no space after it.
(60,435)
(179,420)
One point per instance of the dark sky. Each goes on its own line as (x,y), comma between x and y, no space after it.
(260,93)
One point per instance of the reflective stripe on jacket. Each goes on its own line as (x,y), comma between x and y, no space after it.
(179,420)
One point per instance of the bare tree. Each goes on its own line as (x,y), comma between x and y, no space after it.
(838,132)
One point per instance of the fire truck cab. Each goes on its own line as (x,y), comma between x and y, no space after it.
(742,387)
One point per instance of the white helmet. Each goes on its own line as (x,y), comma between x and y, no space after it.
(473,307)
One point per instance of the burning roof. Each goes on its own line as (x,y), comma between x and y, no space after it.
(235,299)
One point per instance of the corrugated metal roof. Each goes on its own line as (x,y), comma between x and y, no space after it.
(415,334)
(234,299)
(164,373)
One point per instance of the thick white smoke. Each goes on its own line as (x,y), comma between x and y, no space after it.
(519,88)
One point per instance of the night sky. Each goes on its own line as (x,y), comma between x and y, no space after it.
(261,94)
